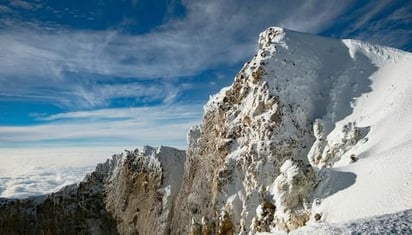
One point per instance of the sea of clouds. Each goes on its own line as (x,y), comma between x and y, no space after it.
(25,173)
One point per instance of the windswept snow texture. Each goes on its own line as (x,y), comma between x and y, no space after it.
(362,96)
(396,223)
(312,129)
(353,103)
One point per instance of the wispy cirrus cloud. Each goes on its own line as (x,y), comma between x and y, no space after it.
(89,69)
(212,34)
(313,16)
(382,22)
(21,4)
(165,125)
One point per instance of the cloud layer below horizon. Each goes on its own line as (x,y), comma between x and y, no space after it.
(46,170)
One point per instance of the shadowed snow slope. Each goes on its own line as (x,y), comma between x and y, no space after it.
(396,223)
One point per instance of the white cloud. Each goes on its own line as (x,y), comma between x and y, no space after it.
(371,11)
(165,125)
(313,16)
(213,34)
(4,9)
(38,167)
(35,171)
(158,113)
(362,15)
(21,4)
(383,22)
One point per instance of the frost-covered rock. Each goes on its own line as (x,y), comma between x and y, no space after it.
(292,191)
(141,192)
(249,130)
(326,151)
(133,193)
(264,138)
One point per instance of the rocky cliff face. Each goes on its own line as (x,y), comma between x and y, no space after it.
(252,166)
(252,146)
(133,193)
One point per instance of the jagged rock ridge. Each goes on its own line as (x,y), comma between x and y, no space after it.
(133,193)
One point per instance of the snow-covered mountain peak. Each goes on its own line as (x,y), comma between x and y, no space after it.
(271,36)
(303,106)
(313,131)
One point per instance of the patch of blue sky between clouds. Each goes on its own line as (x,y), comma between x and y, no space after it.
(384,22)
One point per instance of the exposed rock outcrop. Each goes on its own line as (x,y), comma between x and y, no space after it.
(248,133)
(76,209)
(263,139)
(133,193)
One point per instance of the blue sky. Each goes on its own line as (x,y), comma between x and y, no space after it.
(129,73)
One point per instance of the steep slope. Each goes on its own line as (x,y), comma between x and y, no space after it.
(270,144)
(133,193)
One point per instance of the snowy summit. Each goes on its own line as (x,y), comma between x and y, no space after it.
(305,134)
(357,98)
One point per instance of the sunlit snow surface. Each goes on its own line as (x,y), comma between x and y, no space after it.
(396,223)
(341,83)
(379,182)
